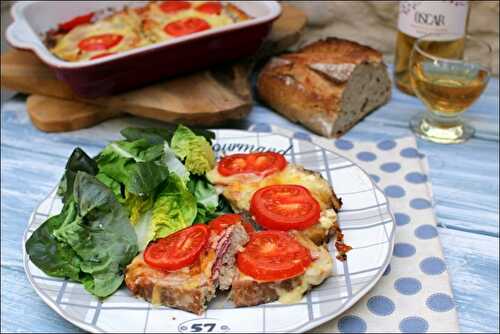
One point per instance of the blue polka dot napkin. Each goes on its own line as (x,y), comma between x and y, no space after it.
(414,294)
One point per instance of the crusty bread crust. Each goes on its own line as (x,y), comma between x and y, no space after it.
(344,50)
(355,78)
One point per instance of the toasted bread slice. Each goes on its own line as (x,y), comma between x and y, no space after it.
(246,291)
(239,189)
(192,287)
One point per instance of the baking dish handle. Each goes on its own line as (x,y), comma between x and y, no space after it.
(20,35)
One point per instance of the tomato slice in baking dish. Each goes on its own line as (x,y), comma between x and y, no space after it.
(284,207)
(76,21)
(214,8)
(171,7)
(273,256)
(263,163)
(186,26)
(178,250)
(102,55)
(222,222)
(99,42)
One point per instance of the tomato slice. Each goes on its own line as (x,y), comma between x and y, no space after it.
(220,223)
(266,163)
(76,21)
(100,42)
(186,26)
(213,8)
(102,55)
(263,163)
(284,207)
(273,256)
(178,250)
(233,164)
(174,6)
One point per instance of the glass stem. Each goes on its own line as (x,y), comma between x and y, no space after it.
(436,120)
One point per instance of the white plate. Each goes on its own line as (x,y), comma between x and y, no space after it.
(365,219)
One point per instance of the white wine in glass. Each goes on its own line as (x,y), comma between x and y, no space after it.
(419,18)
(448,87)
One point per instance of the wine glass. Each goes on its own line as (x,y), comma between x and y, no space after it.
(448,73)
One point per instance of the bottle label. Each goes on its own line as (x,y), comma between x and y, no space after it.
(418,18)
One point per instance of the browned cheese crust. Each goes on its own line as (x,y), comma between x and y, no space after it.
(187,290)
(250,292)
(235,13)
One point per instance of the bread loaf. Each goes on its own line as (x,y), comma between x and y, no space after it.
(328,86)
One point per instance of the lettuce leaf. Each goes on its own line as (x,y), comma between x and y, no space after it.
(194,150)
(139,150)
(205,193)
(173,163)
(174,208)
(137,206)
(91,241)
(133,164)
(210,204)
(52,257)
(78,161)
(159,135)
(113,185)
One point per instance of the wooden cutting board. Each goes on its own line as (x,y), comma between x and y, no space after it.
(206,98)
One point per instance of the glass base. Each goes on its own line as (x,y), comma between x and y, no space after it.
(455,133)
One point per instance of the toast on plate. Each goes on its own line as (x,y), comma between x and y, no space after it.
(239,188)
(248,290)
(191,287)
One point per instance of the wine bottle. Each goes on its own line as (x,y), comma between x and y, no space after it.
(419,18)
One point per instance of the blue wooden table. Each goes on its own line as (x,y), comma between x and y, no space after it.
(465,183)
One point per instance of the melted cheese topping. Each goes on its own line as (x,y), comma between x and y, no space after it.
(138,28)
(155,19)
(328,218)
(239,189)
(124,23)
(318,271)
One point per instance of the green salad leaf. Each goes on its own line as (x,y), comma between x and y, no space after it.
(134,165)
(173,163)
(91,241)
(52,257)
(174,208)
(194,150)
(210,204)
(78,161)
(205,193)
(137,206)
(160,135)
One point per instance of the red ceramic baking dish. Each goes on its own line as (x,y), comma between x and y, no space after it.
(137,67)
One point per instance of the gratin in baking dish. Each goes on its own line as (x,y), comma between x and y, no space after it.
(137,67)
